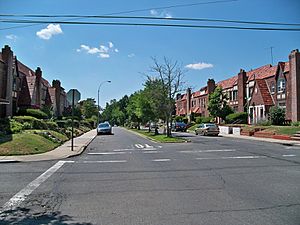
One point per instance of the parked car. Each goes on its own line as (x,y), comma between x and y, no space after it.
(179,126)
(207,129)
(104,128)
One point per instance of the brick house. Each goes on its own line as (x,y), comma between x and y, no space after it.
(21,87)
(255,92)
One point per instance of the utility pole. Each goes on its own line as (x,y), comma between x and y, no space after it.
(72,141)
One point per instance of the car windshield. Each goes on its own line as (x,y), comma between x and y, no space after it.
(211,125)
(103,125)
(180,123)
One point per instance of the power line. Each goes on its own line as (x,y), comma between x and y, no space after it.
(156,18)
(151,24)
(145,9)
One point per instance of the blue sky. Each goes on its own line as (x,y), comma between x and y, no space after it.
(82,56)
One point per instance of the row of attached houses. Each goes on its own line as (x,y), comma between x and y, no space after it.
(255,92)
(21,87)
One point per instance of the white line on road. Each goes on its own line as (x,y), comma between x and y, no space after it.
(106,161)
(139,146)
(291,155)
(212,150)
(161,160)
(124,149)
(107,153)
(148,146)
(149,152)
(235,157)
(18,198)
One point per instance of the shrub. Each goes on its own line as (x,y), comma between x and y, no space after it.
(34,113)
(27,126)
(52,125)
(185,120)
(240,117)
(203,119)
(34,122)
(264,123)
(296,123)
(277,115)
(15,127)
(178,118)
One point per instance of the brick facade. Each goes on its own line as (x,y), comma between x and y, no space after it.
(255,91)
(21,87)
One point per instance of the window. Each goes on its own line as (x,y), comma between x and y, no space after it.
(234,95)
(272,88)
(281,85)
(250,91)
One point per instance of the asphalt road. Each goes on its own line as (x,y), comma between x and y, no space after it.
(124,179)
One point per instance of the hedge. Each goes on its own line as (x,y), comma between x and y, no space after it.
(203,119)
(34,113)
(241,118)
(34,122)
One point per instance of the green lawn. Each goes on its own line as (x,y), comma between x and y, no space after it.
(25,143)
(285,130)
(160,137)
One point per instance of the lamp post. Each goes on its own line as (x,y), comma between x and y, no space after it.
(107,81)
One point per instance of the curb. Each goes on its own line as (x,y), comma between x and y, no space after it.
(143,136)
(82,149)
(9,161)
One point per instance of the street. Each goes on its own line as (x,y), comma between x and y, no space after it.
(125,179)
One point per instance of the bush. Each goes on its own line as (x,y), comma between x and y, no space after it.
(15,127)
(34,113)
(277,115)
(178,118)
(185,120)
(34,122)
(296,123)
(203,119)
(264,123)
(240,117)
(52,125)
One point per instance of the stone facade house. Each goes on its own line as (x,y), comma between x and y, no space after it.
(255,92)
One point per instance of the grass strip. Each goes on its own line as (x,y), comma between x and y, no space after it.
(159,137)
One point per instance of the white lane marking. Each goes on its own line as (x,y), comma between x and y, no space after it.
(139,146)
(124,149)
(18,198)
(148,146)
(159,146)
(235,157)
(149,152)
(213,150)
(107,153)
(291,155)
(161,160)
(104,161)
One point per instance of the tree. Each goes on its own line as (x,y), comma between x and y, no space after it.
(217,104)
(170,75)
(277,115)
(89,108)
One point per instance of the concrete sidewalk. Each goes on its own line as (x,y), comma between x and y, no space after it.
(277,141)
(61,152)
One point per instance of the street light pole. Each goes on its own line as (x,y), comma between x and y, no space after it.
(98,117)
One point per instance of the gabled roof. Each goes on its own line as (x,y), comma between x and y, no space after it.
(228,83)
(262,72)
(31,84)
(25,70)
(264,91)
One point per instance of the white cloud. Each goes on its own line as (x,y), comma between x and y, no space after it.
(116,50)
(199,66)
(103,51)
(11,37)
(104,55)
(110,44)
(153,12)
(47,33)
(131,55)
(163,13)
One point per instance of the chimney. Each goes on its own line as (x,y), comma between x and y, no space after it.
(188,101)
(38,81)
(294,92)
(38,73)
(56,83)
(211,85)
(6,53)
(242,79)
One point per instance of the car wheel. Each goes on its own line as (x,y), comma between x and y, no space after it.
(196,133)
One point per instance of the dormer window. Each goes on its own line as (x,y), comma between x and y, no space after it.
(281,85)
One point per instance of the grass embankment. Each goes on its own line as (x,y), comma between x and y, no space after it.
(281,130)
(30,142)
(159,137)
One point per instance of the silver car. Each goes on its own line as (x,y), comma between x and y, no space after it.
(104,128)
(207,129)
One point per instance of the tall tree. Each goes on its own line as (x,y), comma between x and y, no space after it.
(89,108)
(171,75)
(217,104)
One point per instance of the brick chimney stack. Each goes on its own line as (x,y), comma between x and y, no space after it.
(294,95)
(242,79)
(211,85)
(188,101)
(38,81)
(6,53)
